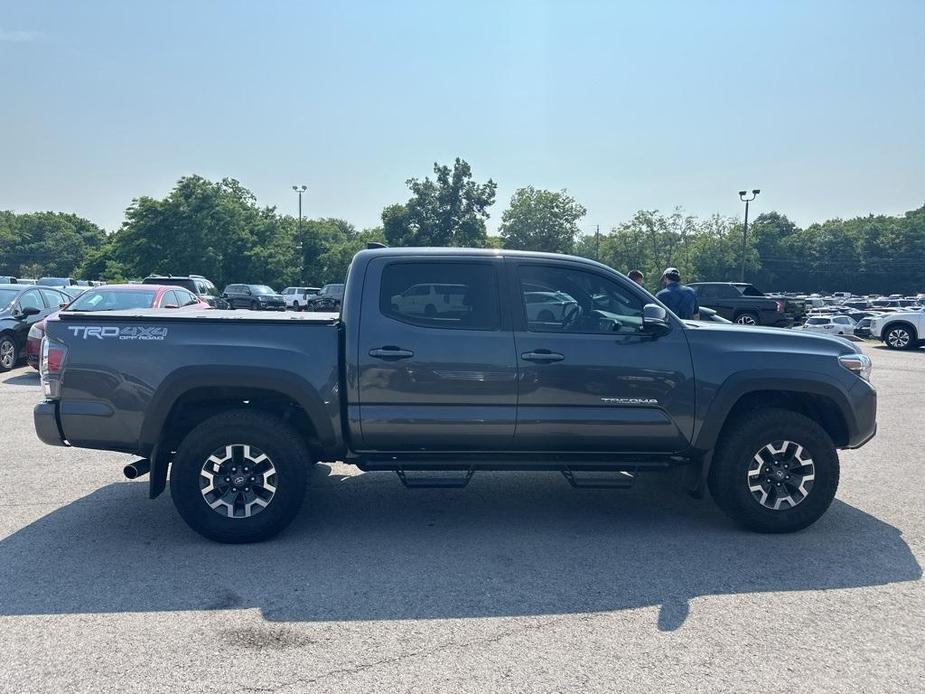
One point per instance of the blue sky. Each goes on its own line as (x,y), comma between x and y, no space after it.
(627,105)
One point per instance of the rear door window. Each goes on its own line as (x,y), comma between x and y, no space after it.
(31,299)
(54,299)
(461,296)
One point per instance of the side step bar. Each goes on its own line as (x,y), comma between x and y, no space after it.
(434,482)
(618,479)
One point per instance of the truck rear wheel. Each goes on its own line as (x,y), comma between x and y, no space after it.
(775,471)
(240,476)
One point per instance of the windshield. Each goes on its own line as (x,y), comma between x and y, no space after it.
(7,296)
(262,289)
(818,321)
(113,300)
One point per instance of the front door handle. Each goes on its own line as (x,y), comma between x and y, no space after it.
(390,352)
(542,355)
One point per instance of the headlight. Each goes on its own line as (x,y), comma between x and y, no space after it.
(859,364)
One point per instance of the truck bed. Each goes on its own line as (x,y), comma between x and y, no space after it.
(125,369)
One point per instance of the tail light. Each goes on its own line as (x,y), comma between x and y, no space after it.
(780,305)
(52,365)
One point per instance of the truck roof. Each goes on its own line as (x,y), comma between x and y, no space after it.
(475,252)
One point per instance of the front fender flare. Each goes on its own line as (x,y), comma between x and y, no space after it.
(745,382)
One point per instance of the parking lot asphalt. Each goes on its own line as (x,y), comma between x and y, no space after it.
(517,583)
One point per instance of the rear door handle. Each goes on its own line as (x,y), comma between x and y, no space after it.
(390,352)
(542,355)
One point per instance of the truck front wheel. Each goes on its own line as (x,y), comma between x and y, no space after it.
(775,471)
(240,476)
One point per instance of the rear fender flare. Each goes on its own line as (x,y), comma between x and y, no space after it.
(187,379)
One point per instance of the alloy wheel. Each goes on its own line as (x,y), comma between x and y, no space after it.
(7,354)
(781,475)
(746,319)
(898,338)
(238,481)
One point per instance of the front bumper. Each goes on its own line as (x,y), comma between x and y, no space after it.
(863,402)
(45,418)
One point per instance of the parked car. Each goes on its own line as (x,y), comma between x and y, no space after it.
(21,306)
(256,297)
(432,300)
(862,329)
(27,280)
(72,291)
(117,297)
(328,299)
(197,284)
(547,307)
(238,412)
(57,282)
(8,279)
(900,330)
(743,303)
(830,325)
(297,298)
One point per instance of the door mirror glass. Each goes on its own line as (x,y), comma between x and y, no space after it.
(655,320)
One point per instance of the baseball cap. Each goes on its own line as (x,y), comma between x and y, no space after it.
(672,273)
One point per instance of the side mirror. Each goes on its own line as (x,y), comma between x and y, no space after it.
(655,320)
(30,311)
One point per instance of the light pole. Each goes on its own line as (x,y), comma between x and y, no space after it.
(743,196)
(300,190)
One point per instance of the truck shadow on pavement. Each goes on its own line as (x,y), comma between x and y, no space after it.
(365,548)
(26,378)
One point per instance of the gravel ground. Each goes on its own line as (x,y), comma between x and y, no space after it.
(516,584)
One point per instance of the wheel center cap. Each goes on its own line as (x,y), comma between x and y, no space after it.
(779,474)
(239,480)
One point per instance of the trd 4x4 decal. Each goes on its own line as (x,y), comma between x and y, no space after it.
(115,333)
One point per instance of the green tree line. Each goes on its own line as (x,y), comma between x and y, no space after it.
(218,229)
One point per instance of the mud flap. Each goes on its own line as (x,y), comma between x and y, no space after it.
(157,481)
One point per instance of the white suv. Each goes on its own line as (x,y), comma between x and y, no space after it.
(902,330)
(297,298)
(830,325)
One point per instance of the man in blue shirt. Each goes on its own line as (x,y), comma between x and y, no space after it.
(682,300)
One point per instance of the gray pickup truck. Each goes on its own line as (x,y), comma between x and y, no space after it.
(444,362)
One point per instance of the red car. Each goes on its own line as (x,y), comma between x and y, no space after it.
(116,297)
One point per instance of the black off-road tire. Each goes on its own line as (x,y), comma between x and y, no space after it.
(283,445)
(744,438)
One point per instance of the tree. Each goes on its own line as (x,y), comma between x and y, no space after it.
(448,211)
(52,242)
(541,220)
(212,228)
(318,238)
